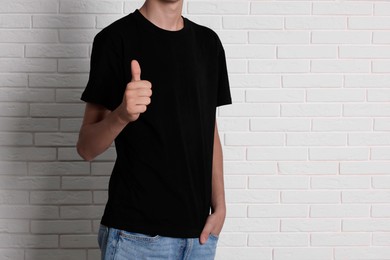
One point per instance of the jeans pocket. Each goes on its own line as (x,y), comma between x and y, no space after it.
(138,236)
(214,236)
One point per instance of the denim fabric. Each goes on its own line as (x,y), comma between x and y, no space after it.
(118,244)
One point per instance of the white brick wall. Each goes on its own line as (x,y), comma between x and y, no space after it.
(306,142)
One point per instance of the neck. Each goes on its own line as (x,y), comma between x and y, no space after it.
(165,14)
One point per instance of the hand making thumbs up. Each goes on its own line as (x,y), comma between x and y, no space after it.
(136,96)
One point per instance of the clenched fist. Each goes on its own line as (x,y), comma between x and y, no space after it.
(136,96)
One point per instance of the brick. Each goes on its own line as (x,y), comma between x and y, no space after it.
(70,124)
(276,153)
(254,81)
(232,239)
(89,6)
(381,124)
(63,21)
(100,197)
(247,167)
(28,212)
(58,80)
(308,167)
(29,6)
(335,95)
(60,226)
(70,153)
(250,253)
(12,79)
(279,124)
(278,240)
(251,225)
(280,8)
(225,7)
(312,110)
(310,196)
(381,66)
(342,239)
(57,50)
(305,253)
(28,154)
(381,182)
(28,241)
(29,182)
(78,241)
(342,36)
(246,110)
(27,65)
(278,66)
(372,253)
(366,225)
(81,212)
(340,182)
(340,66)
(312,81)
(15,139)
(55,254)
(15,21)
(250,51)
(74,65)
(380,210)
(11,254)
(13,109)
(84,183)
(105,20)
(236,210)
(371,52)
(13,168)
(274,95)
(55,139)
(279,37)
(310,225)
(368,139)
(344,124)
(56,110)
(369,23)
(68,96)
(307,52)
(378,95)
(249,139)
(60,197)
(340,211)
(342,8)
(316,139)
(27,95)
(381,239)
(251,196)
(315,22)
(277,211)
(366,110)
(380,153)
(28,124)
(380,37)
(362,196)
(338,153)
(58,168)
(278,182)
(77,35)
(252,22)
(29,36)
(13,197)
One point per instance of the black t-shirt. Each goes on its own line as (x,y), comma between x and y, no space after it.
(161,180)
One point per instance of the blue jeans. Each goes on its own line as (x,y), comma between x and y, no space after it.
(118,244)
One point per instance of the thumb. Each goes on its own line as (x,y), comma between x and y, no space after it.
(135,71)
(205,233)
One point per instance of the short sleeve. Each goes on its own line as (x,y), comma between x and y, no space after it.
(223,96)
(105,77)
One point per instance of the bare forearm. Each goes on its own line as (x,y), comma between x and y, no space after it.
(218,189)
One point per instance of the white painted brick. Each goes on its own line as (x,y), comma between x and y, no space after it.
(362,110)
(58,168)
(278,239)
(250,139)
(279,124)
(211,21)
(279,37)
(74,65)
(101,168)
(13,168)
(280,8)
(79,241)
(310,225)
(368,167)
(13,197)
(27,154)
(316,139)
(70,124)
(219,7)
(100,197)
(277,211)
(251,225)
(274,95)
(381,239)
(13,79)
(105,20)
(232,239)
(245,110)
(381,124)
(309,52)
(11,254)
(276,153)
(29,6)
(28,241)
(306,253)
(29,35)
(340,211)
(247,167)
(340,182)
(312,80)
(10,51)
(60,226)
(378,95)
(381,8)
(315,110)
(362,196)
(130,6)
(77,35)
(335,95)
(81,212)
(342,8)
(55,139)
(28,212)
(15,139)
(89,6)
(250,253)
(254,81)
(364,52)
(367,81)
(251,196)
(236,210)
(26,95)
(60,197)
(235,182)
(232,124)
(252,22)
(381,66)
(315,22)
(341,239)
(15,21)
(84,183)
(63,21)
(380,37)
(380,211)
(93,254)
(381,182)
(29,182)
(341,36)
(308,167)
(57,80)
(368,225)
(27,65)
(365,22)
(57,110)
(310,196)
(250,51)
(28,124)
(68,95)
(55,254)
(57,50)
(343,154)
(232,36)
(380,153)
(340,66)
(344,124)
(278,182)
(354,252)
(368,139)
(67,154)
(278,66)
